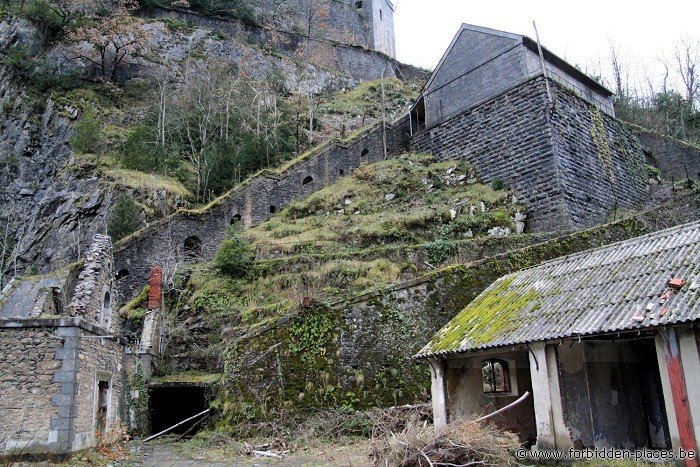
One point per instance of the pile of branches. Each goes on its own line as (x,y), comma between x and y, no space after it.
(467,442)
(333,425)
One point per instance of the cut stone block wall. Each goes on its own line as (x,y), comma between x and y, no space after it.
(673,158)
(570,164)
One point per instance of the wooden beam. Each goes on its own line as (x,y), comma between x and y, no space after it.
(680,394)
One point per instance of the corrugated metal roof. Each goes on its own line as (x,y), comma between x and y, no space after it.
(603,290)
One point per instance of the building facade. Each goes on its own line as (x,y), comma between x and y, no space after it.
(594,350)
(61,369)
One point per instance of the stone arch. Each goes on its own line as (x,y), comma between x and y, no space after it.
(235,219)
(307,180)
(121,274)
(193,247)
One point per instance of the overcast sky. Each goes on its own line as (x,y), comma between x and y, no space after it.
(580,32)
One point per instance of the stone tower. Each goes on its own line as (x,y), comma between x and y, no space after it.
(379,15)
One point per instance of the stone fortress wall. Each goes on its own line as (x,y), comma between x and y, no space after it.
(571,164)
(568,162)
(189,235)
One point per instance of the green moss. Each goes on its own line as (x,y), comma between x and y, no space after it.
(487,318)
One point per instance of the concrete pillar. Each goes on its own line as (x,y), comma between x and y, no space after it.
(437,392)
(542,396)
(690,359)
(666,388)
(561,433)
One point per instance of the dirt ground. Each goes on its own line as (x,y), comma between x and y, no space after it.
(171,453)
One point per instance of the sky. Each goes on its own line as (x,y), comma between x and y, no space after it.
(580,32)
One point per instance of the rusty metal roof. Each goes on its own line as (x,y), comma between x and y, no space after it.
(620,287)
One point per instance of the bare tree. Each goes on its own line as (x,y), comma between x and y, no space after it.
(687,54)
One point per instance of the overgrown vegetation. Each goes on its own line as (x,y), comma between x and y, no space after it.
(124,218)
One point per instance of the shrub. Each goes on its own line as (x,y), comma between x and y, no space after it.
(88,134)
(234,257)
(124,219)
(497,184)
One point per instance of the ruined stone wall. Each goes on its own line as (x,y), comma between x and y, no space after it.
(570,165)
(99,359)
(673,158)
(28,362)
(94,297)
(253,202)
(358,352)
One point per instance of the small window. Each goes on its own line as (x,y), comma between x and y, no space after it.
(193,247)
(341,172)
(122,274)
(495,376)
(358,4)
(381,15)
(235,219)
(365,153)
(273,209)
(307,180)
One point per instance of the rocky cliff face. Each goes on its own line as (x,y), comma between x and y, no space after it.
(53,200)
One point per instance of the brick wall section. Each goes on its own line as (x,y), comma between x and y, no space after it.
(99,359)
(571,166)
(27,388)
(507,138)
(163,243)
(673,158)
(600,162)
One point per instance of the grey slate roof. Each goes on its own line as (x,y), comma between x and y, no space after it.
(20,300)
(604,290)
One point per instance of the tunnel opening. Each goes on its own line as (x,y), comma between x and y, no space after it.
(171,404)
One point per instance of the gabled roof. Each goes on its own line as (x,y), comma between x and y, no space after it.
(530,44)
(620,287)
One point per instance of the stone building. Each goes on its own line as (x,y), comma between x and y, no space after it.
(365,23)
(61,364)
(600,348)
(534,122)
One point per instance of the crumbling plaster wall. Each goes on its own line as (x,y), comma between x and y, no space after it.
(466,398)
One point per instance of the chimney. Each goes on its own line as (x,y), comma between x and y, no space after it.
(155,284)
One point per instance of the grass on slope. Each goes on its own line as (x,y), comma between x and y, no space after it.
(405,200)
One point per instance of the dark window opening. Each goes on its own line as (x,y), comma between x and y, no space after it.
(418,117)
(170,405)
(381,15)
(341,172)
(307,180)
(235,219)
(122,273)
(102,401)
(358,4)
(273,209)
(193,247)
(364,153)
(495,376)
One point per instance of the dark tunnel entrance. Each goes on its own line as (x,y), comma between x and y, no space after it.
(172,404)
